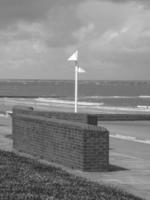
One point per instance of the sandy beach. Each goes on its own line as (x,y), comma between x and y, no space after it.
(68,106)
(130,158)
(137,131)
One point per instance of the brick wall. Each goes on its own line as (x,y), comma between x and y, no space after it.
(77,117)
(72,144)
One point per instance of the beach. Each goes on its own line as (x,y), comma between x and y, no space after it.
(129,159)
(75,89)
(6,103)
(129,144)
(136,131)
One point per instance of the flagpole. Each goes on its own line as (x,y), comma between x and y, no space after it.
(74,58)
(76,87)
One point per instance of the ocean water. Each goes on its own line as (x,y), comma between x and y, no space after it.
(107,95)
(94,96)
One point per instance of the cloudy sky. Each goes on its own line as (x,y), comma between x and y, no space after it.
(38,36)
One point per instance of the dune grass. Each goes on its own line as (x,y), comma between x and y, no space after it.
(26,179)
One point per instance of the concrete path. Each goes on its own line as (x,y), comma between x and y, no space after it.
(129,164)
(5,132)
(131,169)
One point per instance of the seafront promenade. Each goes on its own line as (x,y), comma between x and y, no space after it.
(130,163)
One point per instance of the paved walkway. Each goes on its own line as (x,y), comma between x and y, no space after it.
(130,164)
(128,171)
(5,130)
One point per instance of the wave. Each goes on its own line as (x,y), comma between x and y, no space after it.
(6,114)
(92,106)
(83,103)
(144,96)
(2,115)
(108,97)
(145,107)
(130,138)
(116,97)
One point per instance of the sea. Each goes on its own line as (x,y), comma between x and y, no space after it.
(98,95)
(95,96)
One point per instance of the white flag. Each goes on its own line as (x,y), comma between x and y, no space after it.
(74,57)
(80,70)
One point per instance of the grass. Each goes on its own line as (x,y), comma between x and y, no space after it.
(26,179)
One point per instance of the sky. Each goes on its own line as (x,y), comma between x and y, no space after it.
(38,36)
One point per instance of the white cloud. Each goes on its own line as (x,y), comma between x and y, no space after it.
(109,36)
(124,34)
(125,29)
(84,31)
(22,45)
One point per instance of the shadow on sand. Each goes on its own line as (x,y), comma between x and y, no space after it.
(114,168)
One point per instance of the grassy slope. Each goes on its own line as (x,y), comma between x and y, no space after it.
(22,178)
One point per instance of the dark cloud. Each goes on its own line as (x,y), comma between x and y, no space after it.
(145,3)
(36,10)
(29,10)
(63,22)
(59,18)
(125,1)
(15,10)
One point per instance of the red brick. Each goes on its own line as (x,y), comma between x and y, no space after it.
(73,144)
